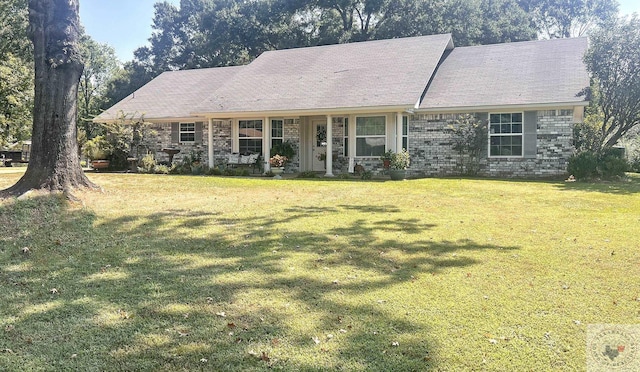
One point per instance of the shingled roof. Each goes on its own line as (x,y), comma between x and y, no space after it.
(523,73)
(365,74)
(380,74)
(173,94)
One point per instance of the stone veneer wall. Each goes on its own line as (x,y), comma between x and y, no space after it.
(221,143)
(430,145)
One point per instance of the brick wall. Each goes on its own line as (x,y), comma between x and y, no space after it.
(431,148)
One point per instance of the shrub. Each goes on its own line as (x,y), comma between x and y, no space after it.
(148,164)
(589,165)
(366,175)
(583,165)
(307,174)
(161,169)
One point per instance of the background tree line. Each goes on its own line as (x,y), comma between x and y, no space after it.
(213,33)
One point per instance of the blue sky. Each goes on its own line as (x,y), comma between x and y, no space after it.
(126,24)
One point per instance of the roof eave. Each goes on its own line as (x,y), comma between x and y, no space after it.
(529,106)
(305,112)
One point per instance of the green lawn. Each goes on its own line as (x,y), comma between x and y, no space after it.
(209,273)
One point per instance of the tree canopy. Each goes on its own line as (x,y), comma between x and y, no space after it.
(613,60)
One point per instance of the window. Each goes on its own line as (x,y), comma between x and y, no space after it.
(250,136)
(370,136)
(277,132)
(346,137)
(187,132)
(505,134)
(405,133)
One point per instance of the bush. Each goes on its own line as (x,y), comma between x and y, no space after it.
(589,165)
(583,166)
(366,175)
(161,169)
(148,164)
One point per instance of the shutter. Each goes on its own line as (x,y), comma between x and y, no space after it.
(530,134)
(175,133)
(198,132)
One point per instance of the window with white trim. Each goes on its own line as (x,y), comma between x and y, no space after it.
(250,136)
(277,132)
(187,132)
(370,135)
(505,134)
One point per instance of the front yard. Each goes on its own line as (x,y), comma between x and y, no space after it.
(210,273)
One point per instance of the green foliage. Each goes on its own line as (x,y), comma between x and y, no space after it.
(562,19)
(97,148)
(16,99)
(366,175)
(400,160)
(613,59)
(285,149)
(147,164)
(587,135)
(583,166)
(100,66)
(469,135)
(589,165)
(307,174)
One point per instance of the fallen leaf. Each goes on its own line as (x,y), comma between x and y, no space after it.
(204,360)
(395,343)
(221,314)
(73,356)
(264,357)
(53,291)
(316,339)
(209,300)
(493,341)
(25,250)
(342,331)
(231,325)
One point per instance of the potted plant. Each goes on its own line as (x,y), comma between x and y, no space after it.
(386,159)
(277,163)
(400,161)
(98,150)
(285,149)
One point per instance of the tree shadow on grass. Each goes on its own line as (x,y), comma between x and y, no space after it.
(628,186)
(177,290)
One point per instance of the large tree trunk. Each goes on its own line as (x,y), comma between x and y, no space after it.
(54,164)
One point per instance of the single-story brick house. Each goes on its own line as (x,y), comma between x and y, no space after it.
(358,100)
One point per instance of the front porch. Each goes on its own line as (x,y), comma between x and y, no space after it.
(352,139)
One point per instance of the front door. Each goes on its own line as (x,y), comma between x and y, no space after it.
(319,148)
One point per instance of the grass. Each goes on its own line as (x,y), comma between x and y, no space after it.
(208,273)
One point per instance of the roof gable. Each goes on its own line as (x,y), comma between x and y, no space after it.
(522,73)
(365,74)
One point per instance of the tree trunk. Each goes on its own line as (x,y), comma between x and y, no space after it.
(54,164)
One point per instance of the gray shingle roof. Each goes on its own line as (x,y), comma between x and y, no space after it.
(372,74)
(523,73)
(365,74)
(173,94)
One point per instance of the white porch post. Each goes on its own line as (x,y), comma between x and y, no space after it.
(210,143)
(329,155)
(398,132)
(266,144)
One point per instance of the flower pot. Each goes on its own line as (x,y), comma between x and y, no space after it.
(397,174)
(277,171)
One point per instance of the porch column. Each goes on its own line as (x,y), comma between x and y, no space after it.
(398,132)
(329,156)
(266,143)
(210,143)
